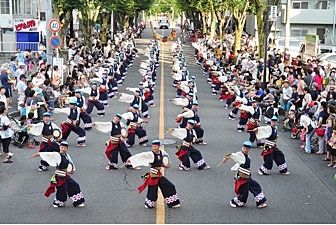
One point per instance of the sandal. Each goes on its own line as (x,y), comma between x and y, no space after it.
(330,165)
(325,159)
(7,161)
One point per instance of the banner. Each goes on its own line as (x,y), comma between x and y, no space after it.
(26,25)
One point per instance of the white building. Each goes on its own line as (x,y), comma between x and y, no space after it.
(316,17)
(22,24)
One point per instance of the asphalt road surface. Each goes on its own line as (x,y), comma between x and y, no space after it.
(307,195)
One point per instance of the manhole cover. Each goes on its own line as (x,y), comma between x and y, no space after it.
(167,141)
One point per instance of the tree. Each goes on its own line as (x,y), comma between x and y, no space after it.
(239,11)
(260,10)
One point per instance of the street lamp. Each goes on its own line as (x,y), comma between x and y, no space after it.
(267,27)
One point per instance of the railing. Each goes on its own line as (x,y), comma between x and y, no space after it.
(13,46)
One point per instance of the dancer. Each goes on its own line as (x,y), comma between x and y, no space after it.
(61,180)
(116,142)
(156,160)
(186,150)
(271,152)
(243,181)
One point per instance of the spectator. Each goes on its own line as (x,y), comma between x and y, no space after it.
(6,134)
(21,87)
(286,96)
(321,128)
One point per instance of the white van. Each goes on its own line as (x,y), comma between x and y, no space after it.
(163,24)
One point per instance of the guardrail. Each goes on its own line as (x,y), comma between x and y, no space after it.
(11,47)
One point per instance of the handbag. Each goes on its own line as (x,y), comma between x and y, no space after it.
(320,131)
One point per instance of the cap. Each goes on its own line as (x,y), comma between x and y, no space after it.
(21,64)
(247,144)
(140,83)
(137,90)
(46,114)
(191,94)
(64,143)
(156,142)
(136,106)
(193,77)
(192,122)
(73,101)
(77,91)
(119,116)
(253,101)
(274,118)
(195,103)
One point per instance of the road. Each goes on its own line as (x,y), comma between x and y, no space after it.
(307,195)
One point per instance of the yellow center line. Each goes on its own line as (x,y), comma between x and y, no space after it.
(160,206)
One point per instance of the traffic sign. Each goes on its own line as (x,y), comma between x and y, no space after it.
(55,42)
(54,25)
(273,13)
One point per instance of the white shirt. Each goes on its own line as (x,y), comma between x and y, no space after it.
(4,121)
(3,99)
(21,87)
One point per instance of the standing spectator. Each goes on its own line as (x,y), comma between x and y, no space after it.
(286,96)
(318,79)
(330,124)
(7,84)
(3,97)
(6,134)
(20,56)
(308,79)
(321,127)
(21,87)
(307,99)
(29,88)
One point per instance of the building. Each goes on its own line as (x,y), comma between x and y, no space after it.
(22,24)
(315,17)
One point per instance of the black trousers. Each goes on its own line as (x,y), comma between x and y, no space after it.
(278,157)
(250,186)
(195,156)
(69,188)
(142,135)
(123,151)
(168,191)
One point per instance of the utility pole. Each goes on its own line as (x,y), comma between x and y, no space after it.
(287,33)
(267,26)
(334,21)
(112,25)
(50,52)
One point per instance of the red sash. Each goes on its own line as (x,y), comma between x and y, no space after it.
(236,104)
(147,94)
(131,131)
(151,181)
(244,115)
(180,153)
(178,119)
(52,187)
(238,183)
(110,148)
(251,125)
(65,128)
(267,152)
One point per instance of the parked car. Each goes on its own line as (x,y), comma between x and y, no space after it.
(328,58)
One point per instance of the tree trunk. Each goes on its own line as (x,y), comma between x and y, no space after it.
(238,35)
(261,33)
(71,25)
(221,28)
(204,25)
(213,23)
(125,23)
(105,18)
